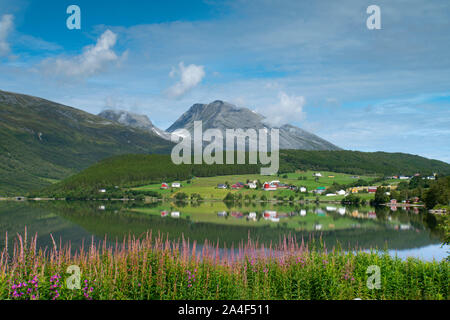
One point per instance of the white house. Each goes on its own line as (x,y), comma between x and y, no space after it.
(341,193)
(341,211)
(331,194)
(176,185)
(252,215)
(102,190)
(252,185)
(175,214)
(302,189)
(303,212)
(318,174)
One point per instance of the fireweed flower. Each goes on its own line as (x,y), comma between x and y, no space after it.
(191,277)
(87,290)
(26,290)
(55,285)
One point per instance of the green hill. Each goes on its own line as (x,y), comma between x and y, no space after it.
(135,170)
(356,162)
(42,141)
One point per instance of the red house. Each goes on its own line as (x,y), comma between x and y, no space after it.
(269,187)
(164,186)
(164,213)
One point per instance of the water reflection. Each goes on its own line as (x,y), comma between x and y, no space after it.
(362,227)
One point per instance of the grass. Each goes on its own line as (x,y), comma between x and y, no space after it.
(207,186)
(156,268)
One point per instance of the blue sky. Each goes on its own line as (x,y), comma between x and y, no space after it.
(312,64)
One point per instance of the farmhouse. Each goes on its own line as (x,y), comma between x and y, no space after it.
(237,214)
(164,186)
(252,185)
(320,190)
(175,214)
(372,189)
(164,213)
(317,174)
(238,185)
(269,214)
(269,187)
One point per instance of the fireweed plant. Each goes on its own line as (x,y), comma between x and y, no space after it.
(153,267)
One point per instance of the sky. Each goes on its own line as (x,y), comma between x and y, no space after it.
(313,64)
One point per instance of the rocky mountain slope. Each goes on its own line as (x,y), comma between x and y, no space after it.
(223,115)
(133,120)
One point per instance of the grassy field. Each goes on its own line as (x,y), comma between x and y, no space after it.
(155,268)
(207,186)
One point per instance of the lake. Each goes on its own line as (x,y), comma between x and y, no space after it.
(404,232)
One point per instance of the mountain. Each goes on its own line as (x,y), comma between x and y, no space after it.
(42,141)
(133,120)
(223,115)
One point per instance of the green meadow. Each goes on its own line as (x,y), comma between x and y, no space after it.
(206,187)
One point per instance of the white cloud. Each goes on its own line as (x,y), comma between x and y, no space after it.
(190,77)
(289,109)
(6,26)
(94,59)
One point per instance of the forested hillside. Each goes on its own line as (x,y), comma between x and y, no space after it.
(134,170)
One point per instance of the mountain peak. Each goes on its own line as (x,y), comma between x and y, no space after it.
(223,115)
(133,120)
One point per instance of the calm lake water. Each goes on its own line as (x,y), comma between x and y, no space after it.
(404,232)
